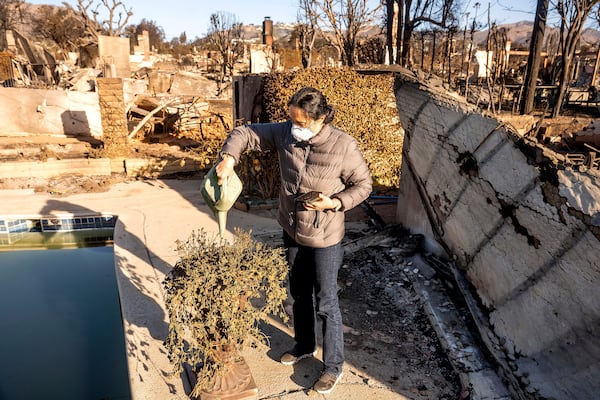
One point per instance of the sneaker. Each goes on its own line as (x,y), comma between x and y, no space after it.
(293,356)
(327,382)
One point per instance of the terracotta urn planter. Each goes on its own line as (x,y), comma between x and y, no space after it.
(234,382)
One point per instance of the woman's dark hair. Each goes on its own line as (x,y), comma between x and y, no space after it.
(313,103)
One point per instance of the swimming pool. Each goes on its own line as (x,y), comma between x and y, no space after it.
(62,333)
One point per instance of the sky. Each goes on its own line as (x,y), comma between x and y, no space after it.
(192,17)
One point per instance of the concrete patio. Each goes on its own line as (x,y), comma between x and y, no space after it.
(153,215)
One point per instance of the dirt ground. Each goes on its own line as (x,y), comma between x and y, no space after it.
(388,333)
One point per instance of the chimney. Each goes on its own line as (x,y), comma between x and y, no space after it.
(268,31)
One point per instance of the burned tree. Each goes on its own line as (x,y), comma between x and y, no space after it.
(410,15)
(534,59)
(89,12)
(156,34)
(573,15)
(10,14)
(307,29)
(225,36)
(597,63)
(346,19)
(60,25)
(391,22)
(496,69)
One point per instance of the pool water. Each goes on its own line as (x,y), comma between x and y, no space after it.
(62,332)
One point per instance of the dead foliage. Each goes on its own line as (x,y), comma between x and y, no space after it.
(365,108)
(216,294)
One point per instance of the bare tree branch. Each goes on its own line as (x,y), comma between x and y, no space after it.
(412,14)
(225,36)
(307,29)
(347,19)
(88,11)
(118,15)
(573,15)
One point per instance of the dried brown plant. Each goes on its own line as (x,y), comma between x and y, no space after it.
(216,294)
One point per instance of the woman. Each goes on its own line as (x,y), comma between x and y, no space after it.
(314,156)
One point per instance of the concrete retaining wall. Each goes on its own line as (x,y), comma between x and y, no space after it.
(52,168)
(525,233)
(133,167)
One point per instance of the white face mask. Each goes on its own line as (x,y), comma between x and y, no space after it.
(302,134)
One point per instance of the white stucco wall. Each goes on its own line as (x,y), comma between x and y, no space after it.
(47,111)
(525,233)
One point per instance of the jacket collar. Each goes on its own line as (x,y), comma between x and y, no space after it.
(323,136)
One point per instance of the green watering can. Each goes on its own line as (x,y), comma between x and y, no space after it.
(220,198)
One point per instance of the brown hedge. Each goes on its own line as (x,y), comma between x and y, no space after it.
(365,108)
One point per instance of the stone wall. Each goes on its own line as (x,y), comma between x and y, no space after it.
(523,230)
(114,119)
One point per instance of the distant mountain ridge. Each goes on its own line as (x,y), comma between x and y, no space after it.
(519,33)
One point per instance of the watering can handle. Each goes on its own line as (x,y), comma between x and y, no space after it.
(223,187)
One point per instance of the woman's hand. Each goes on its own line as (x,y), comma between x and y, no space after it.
(224,169)
(324,203)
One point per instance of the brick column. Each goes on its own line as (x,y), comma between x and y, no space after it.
(112,112)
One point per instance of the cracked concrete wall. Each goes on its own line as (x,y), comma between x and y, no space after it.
(525,232)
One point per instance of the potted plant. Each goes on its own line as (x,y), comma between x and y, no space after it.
(216,294)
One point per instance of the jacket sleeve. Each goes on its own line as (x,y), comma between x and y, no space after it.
(261,137)
(356,177)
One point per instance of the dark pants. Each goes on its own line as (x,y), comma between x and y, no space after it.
(314,271)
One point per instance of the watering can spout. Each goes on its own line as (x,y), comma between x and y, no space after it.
(220,198)
(222,220)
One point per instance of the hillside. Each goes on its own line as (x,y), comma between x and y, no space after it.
(519,33)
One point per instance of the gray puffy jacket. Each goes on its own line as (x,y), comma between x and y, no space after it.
(330,163)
